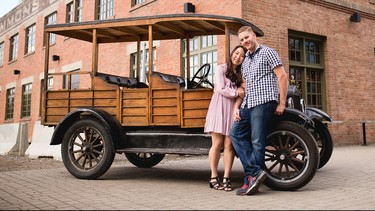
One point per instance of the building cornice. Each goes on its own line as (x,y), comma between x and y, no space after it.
(346,6)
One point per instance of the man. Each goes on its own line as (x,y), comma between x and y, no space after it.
(265,94)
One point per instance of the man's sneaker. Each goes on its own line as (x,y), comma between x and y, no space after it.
(252,184)
(245,186)
(259,179)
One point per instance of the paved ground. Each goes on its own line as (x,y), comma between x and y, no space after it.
(345,183)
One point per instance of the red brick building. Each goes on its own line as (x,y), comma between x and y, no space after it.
(327,47)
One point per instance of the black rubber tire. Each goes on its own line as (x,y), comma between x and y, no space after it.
(87,149)
(144,160)
(324,141)
(292,157)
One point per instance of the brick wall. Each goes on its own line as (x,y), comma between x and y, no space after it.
(348,55)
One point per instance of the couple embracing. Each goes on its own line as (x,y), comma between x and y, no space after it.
(248,90)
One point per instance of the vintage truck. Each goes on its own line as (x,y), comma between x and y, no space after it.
(165,115)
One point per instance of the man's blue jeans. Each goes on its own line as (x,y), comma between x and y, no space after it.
(249,136)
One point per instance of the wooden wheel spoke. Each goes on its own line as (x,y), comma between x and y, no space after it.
(294,146)
(95,157)
(274,165)
(300,152)
(291,164)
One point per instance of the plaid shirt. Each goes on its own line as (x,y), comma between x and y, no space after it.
(261,81)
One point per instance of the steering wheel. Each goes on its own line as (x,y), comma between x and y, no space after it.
(202,79)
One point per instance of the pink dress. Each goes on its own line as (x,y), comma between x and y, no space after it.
(219,117)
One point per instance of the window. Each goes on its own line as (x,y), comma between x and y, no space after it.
(1,54)
(10,104)
(306,67)
(30,39)
(13,48)
(26,100)
(135,2)
(51,19)
(70,12)
(105,9)
(133,62)
(202,50)
(74,11)
(71,81)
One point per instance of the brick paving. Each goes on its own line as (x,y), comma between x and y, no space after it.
(345,183)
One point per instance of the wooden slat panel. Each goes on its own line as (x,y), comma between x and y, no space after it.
(134,112)
(80,103)
(135,121)
(165,120)
(194,107)
(134,107)
(199,94)
(193,113)
(134,93)
(81,94)
(134,103)
(111,110)
(57,95)
(164,102)
(105,94)
(105,102)
(57,111)
(193,104)
(163,111)
(57,103)
(194,122)
(156,93)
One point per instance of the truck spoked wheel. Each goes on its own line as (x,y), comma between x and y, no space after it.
(87,149)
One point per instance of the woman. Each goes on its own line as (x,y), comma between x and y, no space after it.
(219,119)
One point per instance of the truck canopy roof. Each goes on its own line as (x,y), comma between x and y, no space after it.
(172,26)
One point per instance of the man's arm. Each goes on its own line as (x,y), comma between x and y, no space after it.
(282,81)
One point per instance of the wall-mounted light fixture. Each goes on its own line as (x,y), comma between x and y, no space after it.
(355,17)
(189,8)
(16,72)
(55,58)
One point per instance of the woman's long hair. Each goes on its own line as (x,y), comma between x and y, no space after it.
(234,75)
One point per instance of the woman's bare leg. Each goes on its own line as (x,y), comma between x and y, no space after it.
(228,157)
(214,153)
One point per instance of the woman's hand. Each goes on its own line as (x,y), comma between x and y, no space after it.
(236,114)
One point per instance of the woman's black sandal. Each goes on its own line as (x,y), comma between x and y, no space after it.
(227,186)
(215,183)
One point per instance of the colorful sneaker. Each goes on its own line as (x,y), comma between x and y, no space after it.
(252,184)
(259,179)
(245,187)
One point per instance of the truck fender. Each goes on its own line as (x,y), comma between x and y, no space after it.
(104,117)
(295,115)
(314,113)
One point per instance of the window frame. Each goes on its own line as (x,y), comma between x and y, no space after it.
(30,39)
(9,106)
(137,2)
(105,13)
(74,11)
(1,54)
(70,80)
(13,49)
(27,90)
(312,90)
(52,38)
(133,62)
(197,52)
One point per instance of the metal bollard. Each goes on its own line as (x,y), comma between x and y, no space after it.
(364,133)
